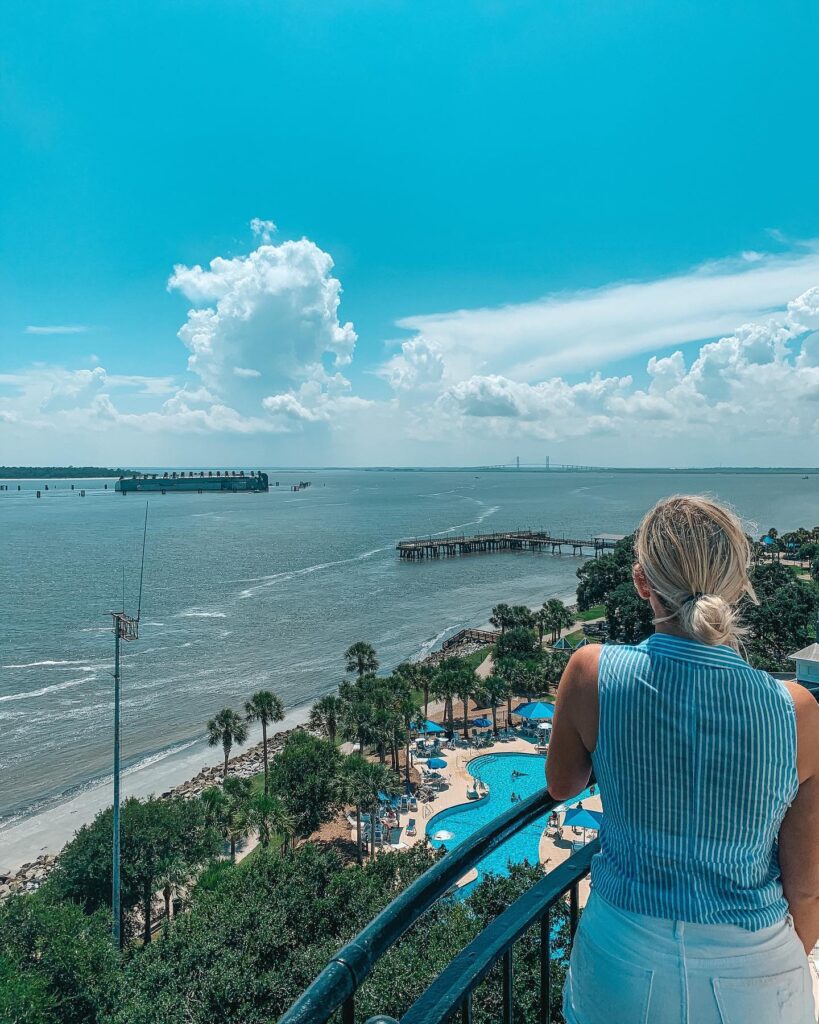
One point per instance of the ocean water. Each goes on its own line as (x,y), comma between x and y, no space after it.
(244,591)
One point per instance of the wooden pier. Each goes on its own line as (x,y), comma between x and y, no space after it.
(510,540)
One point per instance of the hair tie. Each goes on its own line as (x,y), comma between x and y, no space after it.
(694,597)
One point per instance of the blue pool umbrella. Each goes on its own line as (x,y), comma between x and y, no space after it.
(482,723)
(436,762)
(535,711)
(579,817)
(428,726)
(562,645)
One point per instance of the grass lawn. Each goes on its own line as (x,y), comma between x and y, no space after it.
(595,612)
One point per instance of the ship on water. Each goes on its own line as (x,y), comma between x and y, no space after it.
(197,482)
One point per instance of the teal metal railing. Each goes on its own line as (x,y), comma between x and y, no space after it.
(337,984)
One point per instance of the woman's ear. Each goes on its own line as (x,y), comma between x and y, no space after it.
(640,582)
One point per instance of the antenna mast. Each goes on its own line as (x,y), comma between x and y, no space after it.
(124,628)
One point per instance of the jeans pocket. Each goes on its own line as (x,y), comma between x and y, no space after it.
(775,999)
(606,989)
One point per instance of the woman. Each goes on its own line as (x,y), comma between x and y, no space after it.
(705,893)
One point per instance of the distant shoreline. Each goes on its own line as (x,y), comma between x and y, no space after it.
(60,472)
(101,472)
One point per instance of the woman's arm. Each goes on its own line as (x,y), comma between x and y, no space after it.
(574,732)
(799,835)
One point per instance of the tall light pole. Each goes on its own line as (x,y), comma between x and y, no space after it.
(125,628)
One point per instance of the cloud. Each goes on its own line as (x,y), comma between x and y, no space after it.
(760,381)
(419,365)
(274,310)
(262,229)
(567,333)
(57,329)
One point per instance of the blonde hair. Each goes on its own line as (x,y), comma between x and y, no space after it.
(694,555)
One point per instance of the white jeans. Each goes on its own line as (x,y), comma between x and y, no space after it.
(630,969)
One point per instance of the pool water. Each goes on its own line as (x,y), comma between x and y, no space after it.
(522,774)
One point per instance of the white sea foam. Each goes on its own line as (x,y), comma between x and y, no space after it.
(263,582)
(27,694)
(429,645)
(201,615)
(38,664)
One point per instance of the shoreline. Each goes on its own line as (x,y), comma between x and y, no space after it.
(31,845)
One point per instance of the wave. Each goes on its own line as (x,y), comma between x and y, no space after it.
(27,694)
(37,664)
(429,645)
(201,615)
(269,581)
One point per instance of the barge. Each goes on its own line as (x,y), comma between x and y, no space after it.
(196,482)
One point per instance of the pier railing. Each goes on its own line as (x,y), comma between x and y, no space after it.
(338,983)
(506,540)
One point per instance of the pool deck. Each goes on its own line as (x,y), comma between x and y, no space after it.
(552,852)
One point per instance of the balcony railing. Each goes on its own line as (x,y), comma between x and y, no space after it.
(337,984)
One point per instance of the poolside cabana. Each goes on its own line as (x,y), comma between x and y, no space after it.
(562,644)
(535,711)
(579,817)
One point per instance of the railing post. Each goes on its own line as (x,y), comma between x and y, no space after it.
(348,1011)
(466,1009)
(546,968)
(574,908)
(507,987)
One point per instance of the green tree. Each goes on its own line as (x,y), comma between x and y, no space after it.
(325,716)
(501,617)
(558,617)
(600,576)
(375,780)
(228,810)
(356,713)
(361,659)
(226,727)
(154,833)
(304,775)
(173,875)
(264,707)
(517,642)
(269,816)
(57,964)
(445,686)
(628,616)
(780,623)
(522,616)
(494,691)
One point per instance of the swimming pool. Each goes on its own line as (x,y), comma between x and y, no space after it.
(522,774)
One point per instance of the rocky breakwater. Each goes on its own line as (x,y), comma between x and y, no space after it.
(29,877)
(244,766)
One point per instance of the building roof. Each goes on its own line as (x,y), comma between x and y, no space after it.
(810,653)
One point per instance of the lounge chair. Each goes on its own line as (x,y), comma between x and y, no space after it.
(395,836)
(413,803)
(411,829)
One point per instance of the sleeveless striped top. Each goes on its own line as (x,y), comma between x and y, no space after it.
(696,762)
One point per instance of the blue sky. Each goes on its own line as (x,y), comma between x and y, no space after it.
(518,161)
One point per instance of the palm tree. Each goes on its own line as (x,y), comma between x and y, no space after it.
(558,617)
(376,779)
(445,687)
(226,727)
(175,873)
(264,707)
(325,715)
(541,624)
(360,658)
(419,677)
(494,690)
(407,711)
(501,617)
(269,816)
(356,713)
(466,685)
(226,810)
(353,788)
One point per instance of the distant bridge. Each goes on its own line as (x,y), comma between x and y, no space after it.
(508,540)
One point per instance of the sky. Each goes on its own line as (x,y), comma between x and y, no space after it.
(376,232)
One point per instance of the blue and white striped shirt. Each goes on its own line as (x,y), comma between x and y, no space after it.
(696,761)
